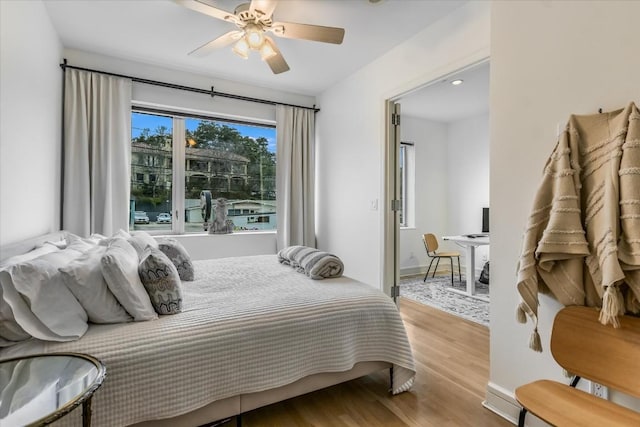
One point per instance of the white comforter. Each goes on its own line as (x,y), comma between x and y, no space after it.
(249,324)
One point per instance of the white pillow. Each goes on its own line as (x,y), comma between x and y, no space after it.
(104,241)
(40,284)
(140,240)
(120,270)
(83,277)
(95,238)
(22,314)
(32,254)
(10,331)
(79,244)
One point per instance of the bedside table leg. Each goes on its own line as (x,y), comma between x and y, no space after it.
(86,413)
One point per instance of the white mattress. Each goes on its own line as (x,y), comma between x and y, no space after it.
(249,324)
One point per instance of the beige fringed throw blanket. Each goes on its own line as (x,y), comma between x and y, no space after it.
(582,241)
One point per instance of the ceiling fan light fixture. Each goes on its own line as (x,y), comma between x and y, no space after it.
(241,48)
(267,50)
(254,36)
(253,20)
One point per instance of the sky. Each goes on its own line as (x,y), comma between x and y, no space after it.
(140,121)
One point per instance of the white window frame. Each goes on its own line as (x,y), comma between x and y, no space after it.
(179,156)
(407,177)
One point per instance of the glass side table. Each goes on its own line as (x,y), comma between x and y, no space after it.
(37,390)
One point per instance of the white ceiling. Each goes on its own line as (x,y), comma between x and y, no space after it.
(443,102)
(163,32)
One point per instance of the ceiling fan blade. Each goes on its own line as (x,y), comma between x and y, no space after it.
(205,7)
(266,7)
(317,33)
(222,41)
(276,62)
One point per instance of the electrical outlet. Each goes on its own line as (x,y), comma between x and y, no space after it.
(599,390)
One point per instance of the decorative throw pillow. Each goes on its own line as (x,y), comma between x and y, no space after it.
(178,256)
(83,277)
(120,270)
(161,280)
(140,240)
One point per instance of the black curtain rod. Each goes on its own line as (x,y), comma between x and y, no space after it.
(211,92)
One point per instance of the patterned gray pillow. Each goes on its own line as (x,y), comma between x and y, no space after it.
(178,256)
(160,278)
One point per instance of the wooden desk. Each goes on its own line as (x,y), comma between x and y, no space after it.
(470,244)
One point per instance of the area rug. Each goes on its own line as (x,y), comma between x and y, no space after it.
(436,292)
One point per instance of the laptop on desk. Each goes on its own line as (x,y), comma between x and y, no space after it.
(473,236)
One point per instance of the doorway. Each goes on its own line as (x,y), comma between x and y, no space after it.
(437,170)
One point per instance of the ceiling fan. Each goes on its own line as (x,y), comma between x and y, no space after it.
(254,21)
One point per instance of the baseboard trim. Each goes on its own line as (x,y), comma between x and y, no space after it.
(441,271)
(503,403)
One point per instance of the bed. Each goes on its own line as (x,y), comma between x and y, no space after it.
(252,332)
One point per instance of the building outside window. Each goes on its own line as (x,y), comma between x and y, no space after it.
(230,160)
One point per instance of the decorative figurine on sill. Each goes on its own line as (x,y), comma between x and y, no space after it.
(220,224)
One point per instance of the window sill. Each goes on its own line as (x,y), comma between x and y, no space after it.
(204,234)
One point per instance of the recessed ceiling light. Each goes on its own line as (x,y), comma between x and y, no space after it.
(457,82)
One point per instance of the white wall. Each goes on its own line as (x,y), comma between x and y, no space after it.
(430,196)
(199,246)
(228,245)
(452,186)
(351,133)
(159,96)
(30,121)
(548,60)
(468,178)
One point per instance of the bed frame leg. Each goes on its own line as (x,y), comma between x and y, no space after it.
(239,420)
(391,380)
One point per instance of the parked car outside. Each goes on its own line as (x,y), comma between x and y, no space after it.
(140,217)
(163,218)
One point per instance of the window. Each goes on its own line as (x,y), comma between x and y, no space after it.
(215,159)
(406,181)
(151,153)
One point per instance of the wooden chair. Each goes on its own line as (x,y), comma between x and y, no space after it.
(431,245)
(603,354)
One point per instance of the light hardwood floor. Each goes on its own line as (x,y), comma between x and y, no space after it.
(452,360)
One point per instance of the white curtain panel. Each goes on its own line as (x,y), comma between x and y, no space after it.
(295,176)
(97,153)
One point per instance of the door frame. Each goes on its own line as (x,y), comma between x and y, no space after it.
(390,273)
(391,233)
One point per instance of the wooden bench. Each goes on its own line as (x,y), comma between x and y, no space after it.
(586,348)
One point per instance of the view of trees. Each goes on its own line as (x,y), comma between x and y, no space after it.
(262,163)
(261,169)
